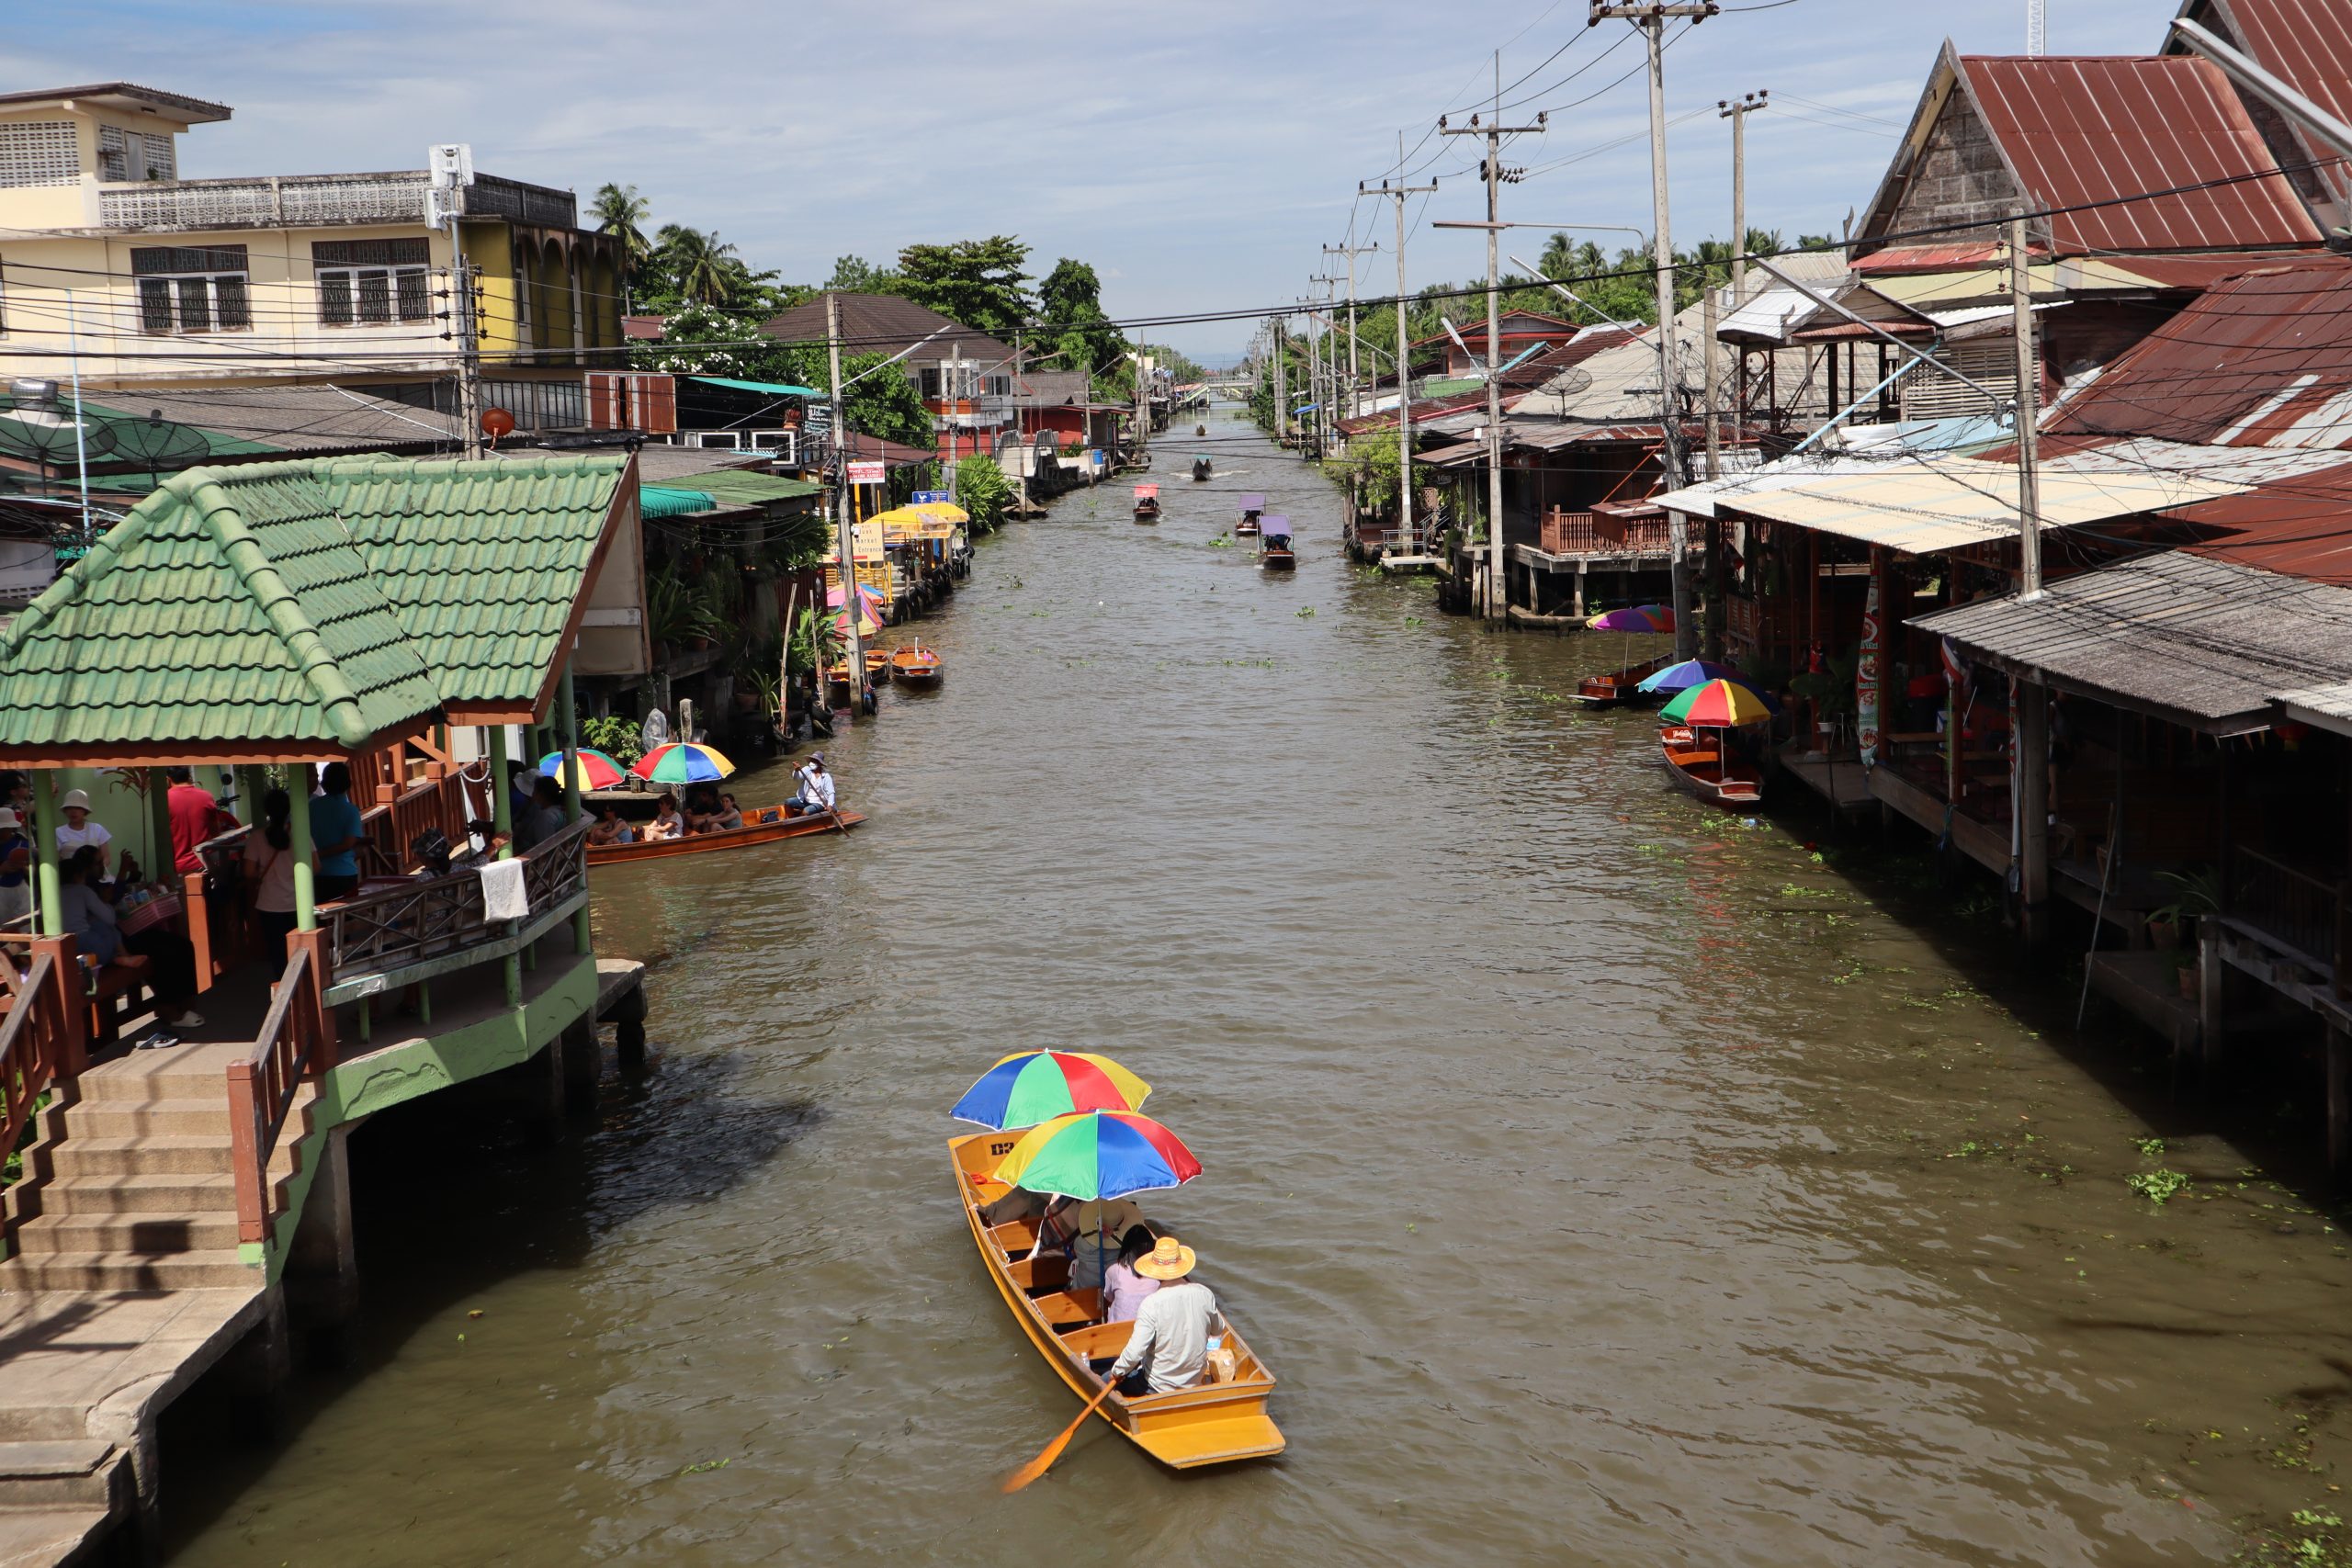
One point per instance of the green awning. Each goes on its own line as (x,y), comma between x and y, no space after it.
(749,487)
(773,389)
(661,501)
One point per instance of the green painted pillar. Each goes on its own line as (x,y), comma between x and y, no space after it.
(297,822)
(47,884)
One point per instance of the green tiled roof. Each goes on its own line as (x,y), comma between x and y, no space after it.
(746,487)
(482,561)
(320,600)
(230,606)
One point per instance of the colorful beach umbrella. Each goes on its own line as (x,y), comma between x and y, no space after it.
(1031,1087)
(1688,674)
(682,762)
(1718,705)
(1635,618)
(596,770)
(1098,1154)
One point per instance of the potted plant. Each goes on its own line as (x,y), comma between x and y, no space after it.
(1831,696)
(2185,973)
(2200,894)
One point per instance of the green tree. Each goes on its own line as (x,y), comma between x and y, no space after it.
(884,403)
(704,340)
(855,275)
(619,211)
(984,493)
(978,282)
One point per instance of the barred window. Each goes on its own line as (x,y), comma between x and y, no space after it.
(39,152)
(128,156)
(191,288)
(372,282)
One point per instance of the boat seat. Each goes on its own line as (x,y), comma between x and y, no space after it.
(1039,1274)
(1100,1340)
(1016,1236)
(1067,1311)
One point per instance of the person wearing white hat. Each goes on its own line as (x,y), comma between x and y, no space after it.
(16,866)
(79,829)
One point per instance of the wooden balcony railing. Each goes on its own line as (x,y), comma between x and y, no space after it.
(1600,534)
(1568,533)
(2298,910)
(385,938)
(39,1040)
(262,1089)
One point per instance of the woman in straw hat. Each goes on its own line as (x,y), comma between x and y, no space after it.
(1169,1346)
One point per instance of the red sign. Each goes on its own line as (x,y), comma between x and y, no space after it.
(866,473)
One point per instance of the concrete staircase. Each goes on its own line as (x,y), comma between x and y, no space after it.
(131,1186)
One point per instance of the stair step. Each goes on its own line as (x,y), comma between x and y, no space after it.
(32,1538)
(80,1235)
(125,1118)
(169,1193)
(150,1154)
(43,1423)
(54,1474)
(126,1271)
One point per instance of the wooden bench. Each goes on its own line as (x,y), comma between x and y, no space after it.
(124,981)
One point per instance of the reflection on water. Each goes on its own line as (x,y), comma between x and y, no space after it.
(1606,1182)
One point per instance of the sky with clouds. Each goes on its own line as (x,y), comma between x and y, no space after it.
(1199,156)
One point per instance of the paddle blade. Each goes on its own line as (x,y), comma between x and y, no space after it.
(1053,1450)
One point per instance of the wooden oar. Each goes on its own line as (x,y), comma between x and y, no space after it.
(1045,1461)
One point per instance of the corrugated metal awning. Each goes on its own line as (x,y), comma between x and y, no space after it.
(2202,642)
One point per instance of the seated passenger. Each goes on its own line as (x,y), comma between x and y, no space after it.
(1018,1203)
(1123,1289)
(666,823)
(610,829)
(702,812)
(1167,1349)
(1089,1233)
(728,815)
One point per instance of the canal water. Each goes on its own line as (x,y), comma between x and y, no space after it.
(1607,1181)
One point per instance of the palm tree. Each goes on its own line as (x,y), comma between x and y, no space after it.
(707,269)
(621,213)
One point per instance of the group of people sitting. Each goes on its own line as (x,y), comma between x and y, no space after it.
(1144,1277)
(708,810)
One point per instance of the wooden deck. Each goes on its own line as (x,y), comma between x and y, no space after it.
(1843,782)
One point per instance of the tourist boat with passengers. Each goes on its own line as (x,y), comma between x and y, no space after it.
(1275,553)
(917,668)
(1147,503)
(1251,506)
(1214,1423)
(764,825)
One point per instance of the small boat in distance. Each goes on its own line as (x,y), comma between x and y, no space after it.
(1275,553)
(765,825)
(1704,760)
(917,668)
(1212,1423)
(1200,469)
(1147,503)
(1251,506)
(878,665)
(1621,688)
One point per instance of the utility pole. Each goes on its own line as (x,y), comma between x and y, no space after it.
(2028,415)
(1281,389)
(1327,363)
(1494,131)
(1405,543)
(1652,20)
(1355,404)
(450,168)
(1737,111)
(844,533)
(1715,547)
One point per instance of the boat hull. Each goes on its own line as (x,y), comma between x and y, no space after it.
(922,677)
(1245,530)
(1621,688)
(751,833)
(1214,1423)
(1278,561)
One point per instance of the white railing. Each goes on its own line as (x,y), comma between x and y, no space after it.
(283,201)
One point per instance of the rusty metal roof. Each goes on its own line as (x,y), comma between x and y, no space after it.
(2091,129)
(2263,360)
(2307,45)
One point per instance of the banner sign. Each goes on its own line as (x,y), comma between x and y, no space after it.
(1868,668)
(923,497)
(867,473)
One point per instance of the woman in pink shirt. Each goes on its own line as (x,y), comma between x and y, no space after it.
(1123,1289)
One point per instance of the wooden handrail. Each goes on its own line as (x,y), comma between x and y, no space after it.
(28,1060)
(425,918)
(262,1086)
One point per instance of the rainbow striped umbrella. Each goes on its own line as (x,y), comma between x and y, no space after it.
(1688,674)
(1718,705)
(1038,1085)
(1098,1154)
(682,762)
(1635,618)
(596,770)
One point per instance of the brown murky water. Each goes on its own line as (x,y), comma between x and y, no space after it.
(1607,1184)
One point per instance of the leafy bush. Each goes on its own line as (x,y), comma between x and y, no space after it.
(617,738)
(984,493)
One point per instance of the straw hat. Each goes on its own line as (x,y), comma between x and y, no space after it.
(74,799)
(1171,1259)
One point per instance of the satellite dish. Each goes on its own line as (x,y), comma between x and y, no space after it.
(159,443)
(48,438)
(1571,381)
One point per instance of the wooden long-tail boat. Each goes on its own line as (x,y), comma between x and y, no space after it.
(764,826)
(1147,503)
(878,665)
(917,668)
(1211,1423)
(1275,553)
(1703,761)
(1200,468)
(1621,688)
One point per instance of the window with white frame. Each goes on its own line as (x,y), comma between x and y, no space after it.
(191,288)
(372,283)
(134,156)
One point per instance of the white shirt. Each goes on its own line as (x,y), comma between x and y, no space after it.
(92,831)
(817,789)
(1172,1325)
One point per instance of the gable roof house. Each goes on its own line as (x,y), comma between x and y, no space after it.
(963,375)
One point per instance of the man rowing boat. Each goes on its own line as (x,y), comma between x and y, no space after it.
(1171,1326)
(816,794)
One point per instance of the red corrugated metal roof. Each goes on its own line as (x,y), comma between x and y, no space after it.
(2265,359)
(1926,258)
(2300,526)
(2309,46)
(2087,129)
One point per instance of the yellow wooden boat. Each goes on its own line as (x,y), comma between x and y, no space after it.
(1212,1424)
